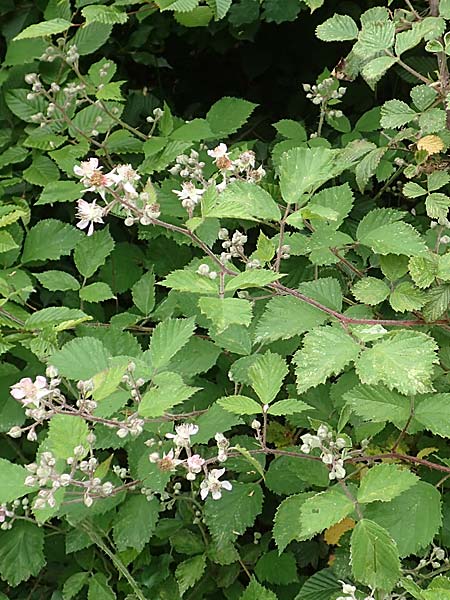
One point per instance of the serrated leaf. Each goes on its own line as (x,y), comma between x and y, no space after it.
(189,572)
(370,290)
(255,591)
(43,29)
(338,28)
(135,522)
(50,239)
(223,312)
(432,413)
(383,231)
(60,191)
(65,432)
(323,585)
(189,281)
(168,390)
(81,358)
(326,351)
(251,278)
(169,337)
(378,403)
(220,7)
(374,70)
(303,171)
(143,293)
(290,406)
(266,376)
(338,198)
(412,519)
(413,190)
(74,584)
(13,477)
(240,405)
(224,522)
(91,252)
(21,552)
(374,556)
(244,200)
(367,166)
(288,513)
(402,361)
(406,297)
(107,15)
(321,511)
(278,569)
(96,292)
(424,269)
(385,482)
(227,115)
(334,533)
(99,589)
(396,113)
(438,301)
(374,38)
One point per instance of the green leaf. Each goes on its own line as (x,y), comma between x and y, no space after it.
(91,37)
(50,239)
(370,290)
(169,337)
(244,200)
(413,190)
(437,205)
(55,316)
(438,301)
(96,292)
(396,113)
(251,278)
(390,362)
(81,358)
(99,588)
(374,38)
(289,406)
(287,514)
(21,552)
(412,519)
(143,293)
(323,585)
(338,198)
(228,115)
(106,382)
(303,171)
(19,105)
(240,405)
(326,351)
(74,584)
(13,477)
(424,269)
(432,413)
(60,191)
(374,70)
(108,15)
(220,7)
(43,29)
(406,297)
(367,166)
(198,17)
(279,569)
(224,522)
(377,403)
(193,131)
(338,28)
(189,572)
(168,391)
(255,591)
(291,129)
(226,311)
(383,231)
(374,556)
(65,432)
(92,251)
(266,376)
(135,522)
(321,511)
(384,482)
(7,242)
(189,281)
(42,171)
(57,280)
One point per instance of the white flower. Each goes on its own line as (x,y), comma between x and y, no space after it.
(182,437)
(212,484)
(311,440)
(322,432)
(194,464)
(29,392)
(88,214)
(219,151)
(86,169)
(126,176)
(189,195)
(347,588)
(92,177)
(168,462)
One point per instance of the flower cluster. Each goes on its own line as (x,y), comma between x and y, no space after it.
(234,246)
(190,167)
(118,187)
(324,93)
(194,463)
(205,271)
(333,452)
(9,512)
(81,476)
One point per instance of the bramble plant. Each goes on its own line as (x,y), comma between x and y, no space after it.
(225,355)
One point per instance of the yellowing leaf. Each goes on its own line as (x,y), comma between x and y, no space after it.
(334,533)
(426,452)
(431,144)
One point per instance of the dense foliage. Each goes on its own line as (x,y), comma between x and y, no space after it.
(224,295)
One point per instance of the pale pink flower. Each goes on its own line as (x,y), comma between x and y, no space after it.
(88,214)
(86,169)
(92,177)
(189,195)
(168,462)
(126,176)
(182,437)
(194,464)
(219,151)
(212,484)
(4,513)
(29,392)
